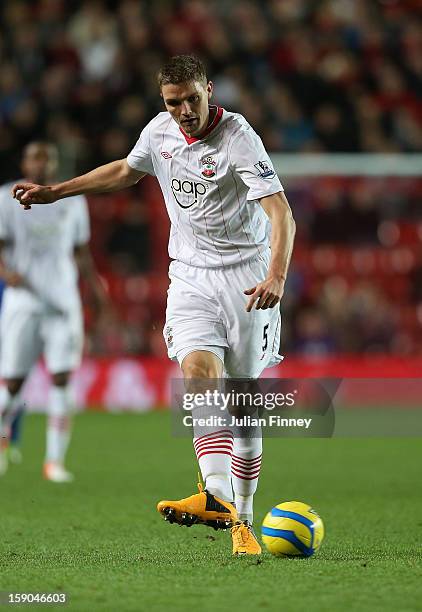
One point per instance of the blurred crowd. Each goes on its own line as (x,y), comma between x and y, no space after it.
(355,283)
(309,75)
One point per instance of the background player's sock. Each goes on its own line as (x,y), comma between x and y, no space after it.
(16,426)
(214,453)
(246,465)
(58,428)
(14,451)
(9,405)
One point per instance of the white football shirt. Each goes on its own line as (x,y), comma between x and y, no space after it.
(211,187)
(39,245)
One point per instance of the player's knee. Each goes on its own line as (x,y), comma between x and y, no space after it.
(196,370)
(200,367)
(61,379)
(14,385)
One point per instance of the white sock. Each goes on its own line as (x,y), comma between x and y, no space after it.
(58,427)
(214,454)
(9,405)
(246,465)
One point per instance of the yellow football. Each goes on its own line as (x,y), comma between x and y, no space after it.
(292,529)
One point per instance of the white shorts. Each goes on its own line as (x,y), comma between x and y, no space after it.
(206,311)
(25,335)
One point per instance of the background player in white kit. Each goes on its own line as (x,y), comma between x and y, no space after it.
(224,201)
(41,311)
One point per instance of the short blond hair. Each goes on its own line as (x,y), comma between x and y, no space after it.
(182,69)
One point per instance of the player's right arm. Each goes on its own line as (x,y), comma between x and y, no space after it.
(10,278)
(110,177)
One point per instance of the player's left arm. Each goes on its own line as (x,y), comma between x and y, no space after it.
(88,271)
(269,292)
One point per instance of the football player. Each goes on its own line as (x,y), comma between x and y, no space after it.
(231,240)
(40,255)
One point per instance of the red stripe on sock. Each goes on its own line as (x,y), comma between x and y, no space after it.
(248,460)
(246,471)
(253,477)
(213,441)
(213,452)
(246,466)
(215,433)
(215,449)
(215,445)
(243,474)
(242,468)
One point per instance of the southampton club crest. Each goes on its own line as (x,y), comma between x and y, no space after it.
(208,166)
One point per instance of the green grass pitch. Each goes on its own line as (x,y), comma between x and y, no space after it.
(101,541)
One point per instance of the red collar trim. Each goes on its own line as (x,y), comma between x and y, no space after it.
(217,117)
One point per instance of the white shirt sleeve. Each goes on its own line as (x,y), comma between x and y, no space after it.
(251,162)
(82,231)
(140,158)
(5,211)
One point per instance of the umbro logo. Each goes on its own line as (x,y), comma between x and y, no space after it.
(166,155)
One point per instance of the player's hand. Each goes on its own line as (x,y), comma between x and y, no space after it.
(30,193)
(266,294)
(13,279)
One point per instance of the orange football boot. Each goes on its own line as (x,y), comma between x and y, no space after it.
(244,539)
(199,509)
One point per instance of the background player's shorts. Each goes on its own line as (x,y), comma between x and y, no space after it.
(206,311)
(25,335)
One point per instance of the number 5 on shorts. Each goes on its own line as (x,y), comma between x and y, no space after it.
(265,338)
